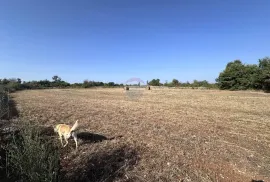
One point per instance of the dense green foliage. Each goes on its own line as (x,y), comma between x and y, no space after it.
(16,84)
(155,82)
(239,76)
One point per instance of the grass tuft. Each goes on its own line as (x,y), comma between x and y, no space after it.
(30,157)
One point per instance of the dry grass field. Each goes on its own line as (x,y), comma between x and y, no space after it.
(166,135)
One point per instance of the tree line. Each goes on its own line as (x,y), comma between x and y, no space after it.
(177,83)
(14,84)
(239,76)
(235,76)
(56,82)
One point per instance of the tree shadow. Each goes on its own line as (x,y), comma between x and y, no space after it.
(111,165)
(88,137)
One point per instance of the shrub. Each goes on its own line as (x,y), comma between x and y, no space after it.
(30,157)
(4,102)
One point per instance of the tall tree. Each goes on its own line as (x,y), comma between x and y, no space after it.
(155,82)
(175,82)
(232,76)
(264,66)
(56,78)
(19,80)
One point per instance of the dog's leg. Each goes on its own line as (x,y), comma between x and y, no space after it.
(60,137)
(75,139)
(66,141)
(76,144)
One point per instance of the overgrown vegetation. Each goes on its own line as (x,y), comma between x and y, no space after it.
(4,102)
(239,76)
(177,83)
(14,84)
(31,157)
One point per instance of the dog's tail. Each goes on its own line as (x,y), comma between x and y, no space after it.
(75,126)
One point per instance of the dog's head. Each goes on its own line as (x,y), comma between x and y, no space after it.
(56,128)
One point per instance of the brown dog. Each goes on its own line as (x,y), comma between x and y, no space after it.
(66,131)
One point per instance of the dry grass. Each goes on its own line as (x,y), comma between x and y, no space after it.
(168,135)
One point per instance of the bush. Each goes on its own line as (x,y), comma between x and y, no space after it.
(13,86)
(31,158)
(239,76)
(266,85)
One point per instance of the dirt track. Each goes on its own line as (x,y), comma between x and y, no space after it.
(167,135)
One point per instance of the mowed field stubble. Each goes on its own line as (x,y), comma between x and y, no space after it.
(167,134)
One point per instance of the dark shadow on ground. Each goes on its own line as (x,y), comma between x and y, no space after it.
(88,137)
(13,112)
(47,131)
(85,137)
(109,165)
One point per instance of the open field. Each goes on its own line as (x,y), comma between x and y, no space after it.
(167,135)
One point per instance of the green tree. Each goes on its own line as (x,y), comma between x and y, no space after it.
(5,81)
(19,80)
(111,84)
(155,82)
(264,67)
(56,78)
(175,82)
(250,76)
(85,84)
(251,79)
(232,77)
